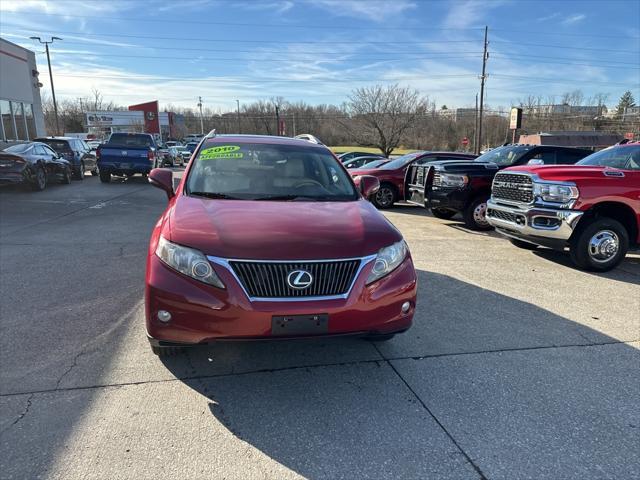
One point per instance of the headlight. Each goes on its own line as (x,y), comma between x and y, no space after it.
(387,260)
(188,261)
(555,192)
(451,180)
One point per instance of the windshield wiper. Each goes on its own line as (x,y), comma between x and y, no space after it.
(288,198)
(216,195)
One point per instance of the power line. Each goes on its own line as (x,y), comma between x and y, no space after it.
(459,55)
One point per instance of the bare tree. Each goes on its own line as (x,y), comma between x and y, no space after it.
(380,115)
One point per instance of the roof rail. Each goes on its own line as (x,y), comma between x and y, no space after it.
(309,138)
(211,134)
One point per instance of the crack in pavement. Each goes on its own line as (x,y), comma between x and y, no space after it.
(71,367)
(469,460)
(297,367)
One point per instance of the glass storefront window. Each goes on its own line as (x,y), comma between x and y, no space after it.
(8,131)
(18,117)
(31,121)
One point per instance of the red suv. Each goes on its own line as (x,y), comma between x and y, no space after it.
(268,237)
(391,175)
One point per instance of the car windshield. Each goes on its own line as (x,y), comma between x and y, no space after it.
(504,156)
(19,148)
(623,157)
(254,171)
(375,163)
(401,162)
(57,145)
(130,140)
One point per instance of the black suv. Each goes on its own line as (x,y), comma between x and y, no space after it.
(76,151)
(451,186)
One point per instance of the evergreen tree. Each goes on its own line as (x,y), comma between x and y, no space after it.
(626,101)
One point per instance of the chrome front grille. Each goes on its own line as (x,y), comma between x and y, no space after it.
(512,187)
(269,279)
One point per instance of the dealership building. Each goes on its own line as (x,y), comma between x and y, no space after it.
(20,103)
(144,117)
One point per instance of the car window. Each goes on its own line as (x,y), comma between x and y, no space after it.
(129,140)
(48,151)
(20,148)
(401,162)
(548,156)
(506,155)
(39,150)
(249,171)
(569,157)
(57,145)
(623,157)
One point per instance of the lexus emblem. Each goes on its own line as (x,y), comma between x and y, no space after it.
(299,279)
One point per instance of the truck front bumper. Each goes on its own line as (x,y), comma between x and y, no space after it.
(543,226)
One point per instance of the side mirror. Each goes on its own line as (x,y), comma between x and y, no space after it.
(369,185)
(163,179)
(535,161)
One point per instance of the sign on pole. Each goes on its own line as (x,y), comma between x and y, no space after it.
(465,141)
(515,120)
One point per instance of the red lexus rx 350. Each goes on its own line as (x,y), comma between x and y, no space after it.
(269,237)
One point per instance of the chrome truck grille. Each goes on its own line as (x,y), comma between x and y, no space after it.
(275,279)
(512,187)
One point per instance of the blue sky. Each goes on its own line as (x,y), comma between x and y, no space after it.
(319,50)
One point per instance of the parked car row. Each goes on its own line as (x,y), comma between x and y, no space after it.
(33,164)
(535,195)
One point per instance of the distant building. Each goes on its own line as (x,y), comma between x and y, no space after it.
(20,103)
(565,109)
(104,123)
(591,139)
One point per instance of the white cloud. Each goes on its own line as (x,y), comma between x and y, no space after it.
(379,10)
(468,13)
(578,17)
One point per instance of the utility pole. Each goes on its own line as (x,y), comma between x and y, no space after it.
(201,120)
(238,103)
(475,127)
(277,121)
(485,56)
(53,92)
(294,124)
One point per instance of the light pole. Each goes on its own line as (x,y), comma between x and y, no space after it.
(238,103)
(201,119)
(53,92)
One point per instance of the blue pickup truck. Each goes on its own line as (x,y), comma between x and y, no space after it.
(126,154)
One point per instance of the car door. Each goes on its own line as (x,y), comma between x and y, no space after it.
(46,158)
(86,155)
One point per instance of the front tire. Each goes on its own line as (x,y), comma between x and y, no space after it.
(475,215)
(66,176)
(40,182)
(600,245)
(443,213)
(80,173)
(385,197)
(105,177)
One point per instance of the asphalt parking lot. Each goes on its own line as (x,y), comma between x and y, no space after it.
(518,365)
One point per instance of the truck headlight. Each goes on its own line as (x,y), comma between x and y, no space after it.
(387,260)
(451,180)
(187,261)
(555,192)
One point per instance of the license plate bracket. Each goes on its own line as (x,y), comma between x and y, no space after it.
(315,324)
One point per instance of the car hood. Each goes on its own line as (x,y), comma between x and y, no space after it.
(567,172)
(274,230)
(463,166)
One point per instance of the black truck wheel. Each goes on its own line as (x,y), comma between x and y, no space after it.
(599,245)
(105,177)
(475,215)
(522,244)
(66,176)
(443,213)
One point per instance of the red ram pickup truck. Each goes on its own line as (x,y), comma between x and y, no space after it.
(592,207)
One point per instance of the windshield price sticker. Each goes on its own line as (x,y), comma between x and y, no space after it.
(223,151)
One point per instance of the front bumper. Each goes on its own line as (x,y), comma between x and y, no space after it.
(544,226)
(202,313)
(448,198)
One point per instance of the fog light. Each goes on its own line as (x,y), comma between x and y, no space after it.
(164,316)
(406,306)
